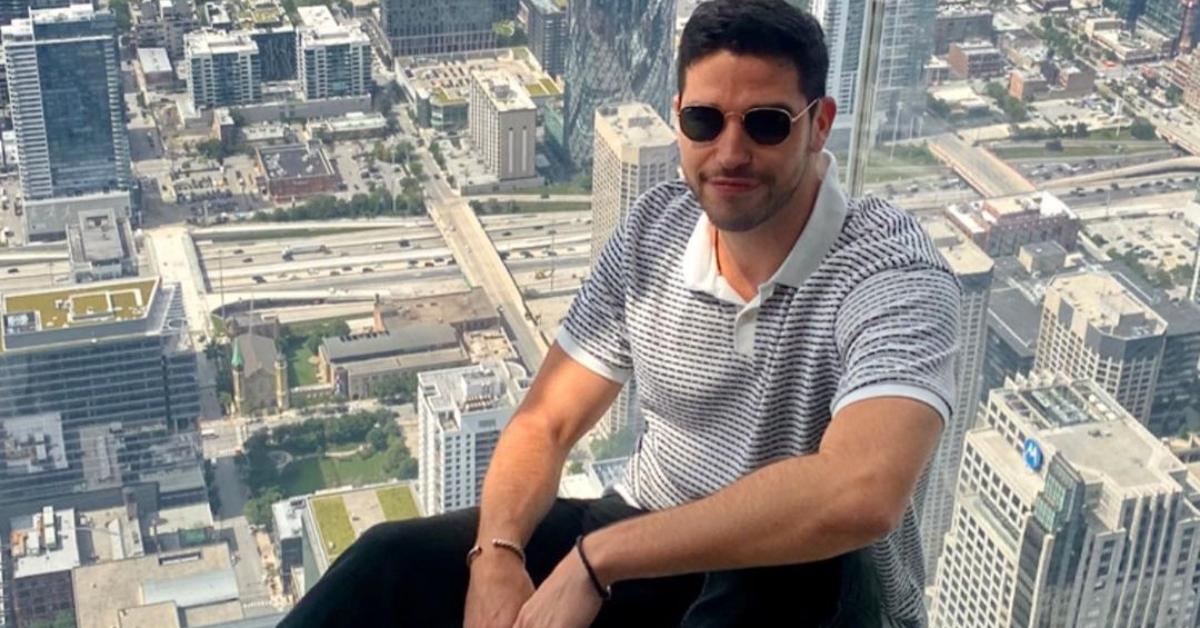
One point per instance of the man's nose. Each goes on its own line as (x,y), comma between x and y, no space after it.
(733,145)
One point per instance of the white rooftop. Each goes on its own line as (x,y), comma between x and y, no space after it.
(503,90)
(44,543)
(635,124)
(217,43)
(154,60)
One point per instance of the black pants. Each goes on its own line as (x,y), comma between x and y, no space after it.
(413,573)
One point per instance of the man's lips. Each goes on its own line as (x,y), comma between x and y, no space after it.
(733,184)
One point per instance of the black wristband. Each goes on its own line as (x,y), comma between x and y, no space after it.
(604,592)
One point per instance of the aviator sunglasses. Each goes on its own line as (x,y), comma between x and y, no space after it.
(767,126)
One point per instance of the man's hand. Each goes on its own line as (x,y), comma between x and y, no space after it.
(567,599)
(499,586)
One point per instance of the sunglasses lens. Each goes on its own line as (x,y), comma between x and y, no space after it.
(767,126)
(701,124)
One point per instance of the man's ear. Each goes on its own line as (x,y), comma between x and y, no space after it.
(822,124)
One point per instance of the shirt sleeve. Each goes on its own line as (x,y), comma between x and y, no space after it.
(593,332)
(897,333)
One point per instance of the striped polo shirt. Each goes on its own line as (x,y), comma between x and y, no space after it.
(863,306)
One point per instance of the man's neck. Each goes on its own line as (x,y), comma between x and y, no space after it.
(748,259)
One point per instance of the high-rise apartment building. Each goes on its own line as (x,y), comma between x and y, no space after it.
(462,412)
(935,498)
(67,104)
(225,69)
(1069,514)
(1095,328)
(503,125)
(635,150)
(335,58)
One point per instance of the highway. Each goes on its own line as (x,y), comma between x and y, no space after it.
(987,173)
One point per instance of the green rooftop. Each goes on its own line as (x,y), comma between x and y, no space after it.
(398,503)
(334,522)
(333,512)
(84,304)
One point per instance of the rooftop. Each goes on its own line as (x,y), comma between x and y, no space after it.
(1103,303)
(460,392)
(1015,318)
(964,256)
(981,216)
(446,79)
(99,236)
(208,42)
(341,516)
(288,515)
(154,60)
(87,304)
(44,543)
(447,309)
(402,340)
(294,161)
(634,125)
(104,589)
(1094,434)
(502,90)
(258,353)
(33,443)
(320,28)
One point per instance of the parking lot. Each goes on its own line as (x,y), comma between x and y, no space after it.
(1162,242)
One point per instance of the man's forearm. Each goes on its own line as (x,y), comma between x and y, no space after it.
(793,511)
(521,483)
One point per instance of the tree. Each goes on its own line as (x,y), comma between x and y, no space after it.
(1142,129)
(377,439)
(258,509)
(397,389)
(120,9)
(1081,129)
(398,462)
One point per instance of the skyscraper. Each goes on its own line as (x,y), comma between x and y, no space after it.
(842,22)
(906,45)
(1094,328)
(546,23)
(1069,514)
(617,51)
(225,69)
(67,104)
(462,412)
(335,58)
(421,27)
(98,389)
(635,150)
(935,499)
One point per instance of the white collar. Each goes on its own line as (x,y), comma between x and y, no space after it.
(823,226)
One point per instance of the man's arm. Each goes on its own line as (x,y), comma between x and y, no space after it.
(853,491)
(565,400)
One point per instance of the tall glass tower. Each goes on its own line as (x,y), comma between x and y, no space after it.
(618,51)
(64,85)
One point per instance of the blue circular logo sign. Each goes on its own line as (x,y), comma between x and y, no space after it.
(1032,453)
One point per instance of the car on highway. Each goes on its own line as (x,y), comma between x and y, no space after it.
(247,260)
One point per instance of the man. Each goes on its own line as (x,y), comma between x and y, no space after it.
(793,352)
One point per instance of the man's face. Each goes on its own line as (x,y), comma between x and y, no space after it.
(742,184)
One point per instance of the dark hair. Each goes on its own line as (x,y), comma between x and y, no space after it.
(761,28)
